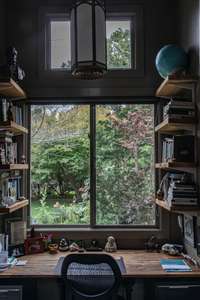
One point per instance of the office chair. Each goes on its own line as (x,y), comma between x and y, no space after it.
(91,276)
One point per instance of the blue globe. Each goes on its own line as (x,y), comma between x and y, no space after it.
(171,59)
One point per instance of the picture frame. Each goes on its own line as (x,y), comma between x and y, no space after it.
(34,245)
(190,224)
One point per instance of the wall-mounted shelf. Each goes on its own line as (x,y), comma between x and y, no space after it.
(9,88)
(14,207)
(10,167)
(168,165)
(178,208)
(172,86)
(173,125)
(13,127)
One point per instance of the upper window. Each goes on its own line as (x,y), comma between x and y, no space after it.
(92,165)
(60,45)
(120,44)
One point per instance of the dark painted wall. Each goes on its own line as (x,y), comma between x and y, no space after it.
(2,30)
(189,14)
(22,30)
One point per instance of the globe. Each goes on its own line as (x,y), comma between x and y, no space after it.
(171,59)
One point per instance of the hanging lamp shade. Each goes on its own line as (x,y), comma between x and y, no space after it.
(88,39)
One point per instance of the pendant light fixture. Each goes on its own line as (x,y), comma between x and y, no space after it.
(88,39)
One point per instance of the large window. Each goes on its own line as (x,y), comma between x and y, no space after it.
(120,46)
(92,165)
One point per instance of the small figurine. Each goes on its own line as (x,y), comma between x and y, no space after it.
(74,247)
(32,232)
(172,249)
(111,245)
(23,159)
(152,244)
(53,248)
(12,69)
(63,245)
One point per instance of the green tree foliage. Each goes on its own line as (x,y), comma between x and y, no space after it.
(60,168)
(119,49)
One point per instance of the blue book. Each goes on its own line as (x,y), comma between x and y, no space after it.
(175,265)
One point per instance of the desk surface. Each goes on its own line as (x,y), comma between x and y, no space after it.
(139,264)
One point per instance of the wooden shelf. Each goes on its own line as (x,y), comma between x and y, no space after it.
(10,88)
(14,167)
(14,207)
(172,86)
(168,165)
(13,127)
(177,208)
(170,125)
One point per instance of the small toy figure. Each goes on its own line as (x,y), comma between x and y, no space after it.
(111,245)
(53,248)
(152,244)
(63,245)
(12,69)
(74,247)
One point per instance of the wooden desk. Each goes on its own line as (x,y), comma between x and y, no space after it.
(139,264)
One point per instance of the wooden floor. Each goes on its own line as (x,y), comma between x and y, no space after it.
(139,264)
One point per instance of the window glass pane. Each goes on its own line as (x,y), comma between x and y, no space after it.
(125,165)
(119,50)
(60,45)
(60,164)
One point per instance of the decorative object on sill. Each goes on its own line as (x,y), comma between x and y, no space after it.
(171,60)
(53,248)
(23,159)
(32,231)
(190,230)
(172,249)
(74,247)
(152,244)
(88,39)
(17,251)
(12,69)
(63,245)
(47,239)
(94,246)
(111,245)
(34,245)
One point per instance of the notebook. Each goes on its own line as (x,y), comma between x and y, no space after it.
(77,269)
(175,265)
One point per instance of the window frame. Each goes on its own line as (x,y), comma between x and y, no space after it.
(134,12)
(92,225)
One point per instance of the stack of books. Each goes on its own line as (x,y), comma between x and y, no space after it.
(177,109)
(182,194)
(175,265)
(178,148)
(16,111)
(8,148)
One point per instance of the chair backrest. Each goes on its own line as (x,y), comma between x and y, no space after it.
(91,276)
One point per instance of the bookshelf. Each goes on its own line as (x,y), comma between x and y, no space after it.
(181,126)
(12,139)
(172,86)
(10,167)
(168,165)
(174,125)
(179,209)
(17,205)
(9,88)
(13,127)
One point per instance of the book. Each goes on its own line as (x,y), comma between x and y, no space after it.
(175,265)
